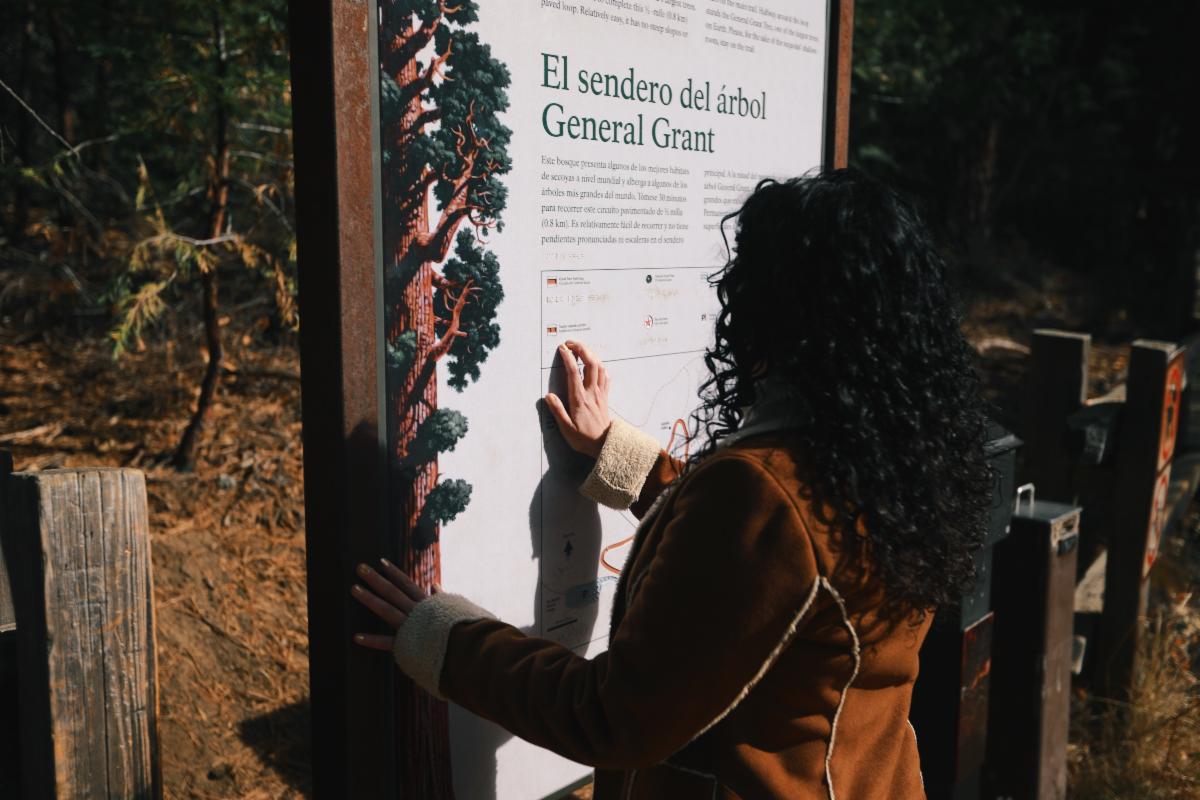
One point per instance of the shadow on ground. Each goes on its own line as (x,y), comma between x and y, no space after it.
(281,739)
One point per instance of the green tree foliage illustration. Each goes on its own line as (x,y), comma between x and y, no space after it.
(444,150)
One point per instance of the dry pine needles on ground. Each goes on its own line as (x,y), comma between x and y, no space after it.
(227,541)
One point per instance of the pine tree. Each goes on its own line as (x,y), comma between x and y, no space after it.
(444,149)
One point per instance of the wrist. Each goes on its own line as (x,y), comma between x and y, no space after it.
(595,446)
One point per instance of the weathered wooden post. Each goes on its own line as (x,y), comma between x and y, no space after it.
(1056,388)
(1146,446)
(1030,705)
(10,725)
(1056,394)
(1112,455)
(77,546)
(950,698)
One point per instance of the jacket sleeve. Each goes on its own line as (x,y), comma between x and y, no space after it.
(631,470)
(732,578)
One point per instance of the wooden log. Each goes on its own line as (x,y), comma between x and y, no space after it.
(85,633)
(1146,443)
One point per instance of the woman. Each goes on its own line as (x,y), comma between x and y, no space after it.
(766,626)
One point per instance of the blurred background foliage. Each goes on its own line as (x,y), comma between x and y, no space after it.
(1061,130)
(145,156)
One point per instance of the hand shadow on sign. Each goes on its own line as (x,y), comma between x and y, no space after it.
(559,511)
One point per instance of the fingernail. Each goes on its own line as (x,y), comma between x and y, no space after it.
(363,569)
(356,589)
(385,562)
(358,637)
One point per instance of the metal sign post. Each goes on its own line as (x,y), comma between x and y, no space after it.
(353,725)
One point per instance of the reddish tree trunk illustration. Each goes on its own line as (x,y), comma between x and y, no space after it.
(443,148)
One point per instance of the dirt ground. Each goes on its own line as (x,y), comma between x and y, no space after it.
(228,538)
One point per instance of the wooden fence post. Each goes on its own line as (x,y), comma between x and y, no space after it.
(85,633)
(8,619)
(950,698)
(1146,445)
(10,725)
(1057,388)
(1034,596)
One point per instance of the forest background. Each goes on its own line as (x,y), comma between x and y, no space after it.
(148,288)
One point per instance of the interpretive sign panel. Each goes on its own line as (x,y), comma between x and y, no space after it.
(476,183)
(554,170)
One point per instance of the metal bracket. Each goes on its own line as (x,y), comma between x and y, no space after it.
(1028,490)
(1064,536)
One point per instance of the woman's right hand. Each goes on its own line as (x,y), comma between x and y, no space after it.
(584,420)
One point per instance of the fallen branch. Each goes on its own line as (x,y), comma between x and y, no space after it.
(49,430)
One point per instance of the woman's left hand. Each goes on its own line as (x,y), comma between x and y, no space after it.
(390,595)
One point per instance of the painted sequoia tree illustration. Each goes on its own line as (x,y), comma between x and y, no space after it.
(444,149)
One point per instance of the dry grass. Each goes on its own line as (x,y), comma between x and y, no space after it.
(1149,748)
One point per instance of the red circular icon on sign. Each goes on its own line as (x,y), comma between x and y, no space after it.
(1172,398)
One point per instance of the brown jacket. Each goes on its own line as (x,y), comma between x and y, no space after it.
(746,659)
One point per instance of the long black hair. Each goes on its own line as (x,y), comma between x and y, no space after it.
(835,290)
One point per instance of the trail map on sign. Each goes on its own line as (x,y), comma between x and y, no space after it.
(558,170)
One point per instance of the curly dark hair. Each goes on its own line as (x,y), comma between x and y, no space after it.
(836,290)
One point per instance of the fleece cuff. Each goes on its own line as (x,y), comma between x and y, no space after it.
(421,641)
(625,461)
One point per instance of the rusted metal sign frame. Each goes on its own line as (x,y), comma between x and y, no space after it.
(335,116)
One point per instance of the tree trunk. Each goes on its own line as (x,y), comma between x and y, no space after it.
(62,83)
(185,453)
(67,215)
(981,181)
(423,735)
(97,125)
(20,215)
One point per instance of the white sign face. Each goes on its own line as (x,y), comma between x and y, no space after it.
(631,128)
